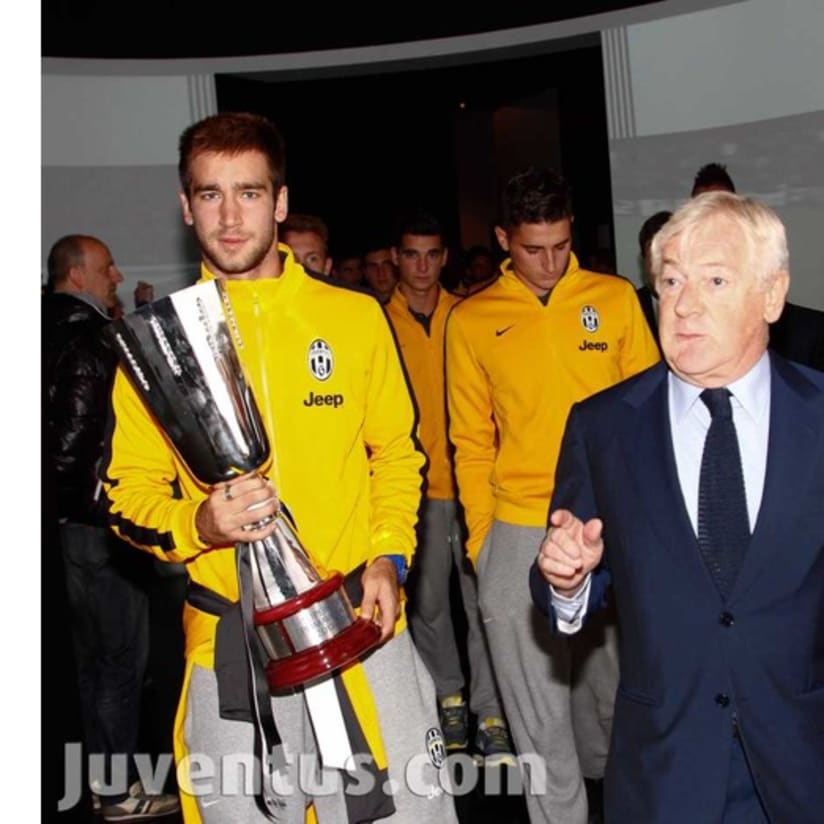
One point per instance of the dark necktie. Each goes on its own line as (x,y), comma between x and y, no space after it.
(723,523)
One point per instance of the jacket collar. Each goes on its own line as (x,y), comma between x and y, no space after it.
(510,280)
(292,275)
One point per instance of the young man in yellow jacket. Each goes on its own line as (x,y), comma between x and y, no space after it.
(519,353)
(346,462)
(418,311)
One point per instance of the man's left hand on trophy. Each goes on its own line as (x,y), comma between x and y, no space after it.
(380,589)
(227,515)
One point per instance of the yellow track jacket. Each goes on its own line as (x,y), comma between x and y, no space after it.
(423,356)
(348,464)
(514,368)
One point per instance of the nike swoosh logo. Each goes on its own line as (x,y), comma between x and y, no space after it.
(499,332)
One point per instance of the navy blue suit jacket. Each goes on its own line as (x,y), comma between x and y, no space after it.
(798,335)
(690,662)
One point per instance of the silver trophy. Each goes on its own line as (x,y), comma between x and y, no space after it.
(179,352)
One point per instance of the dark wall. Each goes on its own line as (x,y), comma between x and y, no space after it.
(585,150)
(360,148)
(357,149)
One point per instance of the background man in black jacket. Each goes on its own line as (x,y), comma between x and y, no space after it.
(108,609)
(646,293)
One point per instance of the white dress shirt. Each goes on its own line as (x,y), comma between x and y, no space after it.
(689,422)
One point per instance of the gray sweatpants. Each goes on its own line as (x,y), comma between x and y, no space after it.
(405,700)
(440,545)
(558,691)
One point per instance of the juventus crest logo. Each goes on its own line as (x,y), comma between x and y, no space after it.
(590,319)
(320,359)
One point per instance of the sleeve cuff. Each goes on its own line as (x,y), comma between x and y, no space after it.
(569,611)
(400,565)
(185,522)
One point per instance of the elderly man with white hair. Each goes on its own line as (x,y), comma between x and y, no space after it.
(693,495)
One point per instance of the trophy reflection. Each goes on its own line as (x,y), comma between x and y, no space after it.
(179,353)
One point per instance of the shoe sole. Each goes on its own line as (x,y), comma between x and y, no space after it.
(140,816)
(505,759)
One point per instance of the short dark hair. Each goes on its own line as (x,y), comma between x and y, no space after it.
(232,133)
(416,221)
(712,175)
(650,228)
(297,222)
(376,244)
(535,195)
(476,251)
(66,252)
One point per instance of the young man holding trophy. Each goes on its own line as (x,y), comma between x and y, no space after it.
(316,418)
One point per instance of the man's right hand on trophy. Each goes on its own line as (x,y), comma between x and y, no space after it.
(381,599)
(227,515)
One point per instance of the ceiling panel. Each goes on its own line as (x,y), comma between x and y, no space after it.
(164,29)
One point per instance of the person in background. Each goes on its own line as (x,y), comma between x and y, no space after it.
(143,294)
(713,177)
(519,353)
(694,489)
(308,238)
(646,293)
(418,311)
(349,269)
(323,366)
(479,270)
(104,577)
(381,274)
(798,335)
(601,260)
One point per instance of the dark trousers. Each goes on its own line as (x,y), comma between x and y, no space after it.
(110,630)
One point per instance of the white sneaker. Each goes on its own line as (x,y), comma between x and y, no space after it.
(138,805)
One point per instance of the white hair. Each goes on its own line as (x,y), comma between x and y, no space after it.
(760,226)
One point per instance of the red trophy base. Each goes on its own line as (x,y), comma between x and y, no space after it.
(345,648)
(301,666)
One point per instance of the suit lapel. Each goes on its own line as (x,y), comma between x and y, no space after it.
(650,457)
(795,432)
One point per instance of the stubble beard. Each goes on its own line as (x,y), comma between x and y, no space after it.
(245,260)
